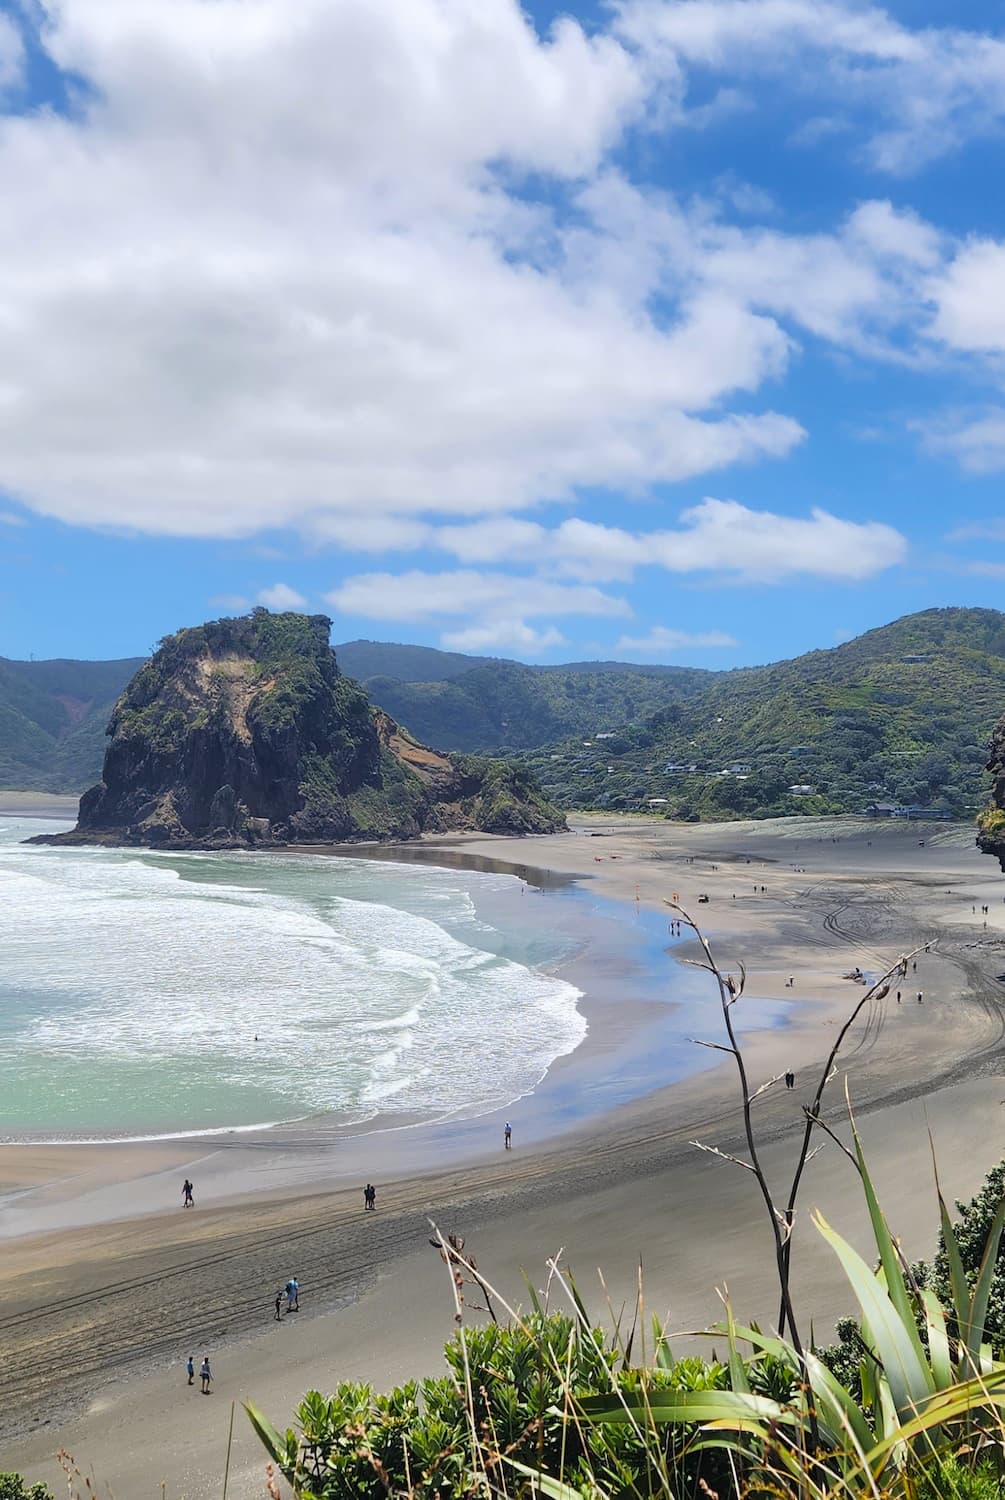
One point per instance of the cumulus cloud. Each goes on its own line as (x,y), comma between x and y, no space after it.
(503,635)
(718,536)
(661,640)
(416,596)
(294,252)
(280,596)
(970,300)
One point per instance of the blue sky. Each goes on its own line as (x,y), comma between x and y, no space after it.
(671,330)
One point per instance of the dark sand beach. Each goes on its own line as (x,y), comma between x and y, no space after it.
(103,1313)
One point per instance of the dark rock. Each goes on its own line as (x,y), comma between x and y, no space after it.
(244,732)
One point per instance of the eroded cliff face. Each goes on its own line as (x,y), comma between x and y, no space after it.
(244,732)
(991,823)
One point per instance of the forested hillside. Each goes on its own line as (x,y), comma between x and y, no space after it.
(52,720)
(902,714)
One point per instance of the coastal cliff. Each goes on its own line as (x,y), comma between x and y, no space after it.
(991,823)
(243,732)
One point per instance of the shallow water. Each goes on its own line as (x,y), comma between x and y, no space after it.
(133,986)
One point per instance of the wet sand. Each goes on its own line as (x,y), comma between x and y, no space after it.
(104,1316)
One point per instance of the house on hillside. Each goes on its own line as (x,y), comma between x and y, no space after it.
(802,789)
(740,768)
(657,802)
(915,657)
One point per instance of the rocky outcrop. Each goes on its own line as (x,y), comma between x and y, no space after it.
(991,822)
(244,733)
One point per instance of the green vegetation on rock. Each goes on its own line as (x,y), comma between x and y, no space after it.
(245,732)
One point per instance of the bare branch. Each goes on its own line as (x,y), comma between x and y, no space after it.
(718,1047)
(766,1086)
(723,1155)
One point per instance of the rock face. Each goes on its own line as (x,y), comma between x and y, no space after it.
(991,823)
(244,732)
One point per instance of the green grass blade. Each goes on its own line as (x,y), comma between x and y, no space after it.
(890,1262)
(838,1404)
(663,1357)
(272,1442)
(957,1275)
(544,1484)
(895,1345)
(687,1406)
(737,1370)
(938,1341)
(982,1291)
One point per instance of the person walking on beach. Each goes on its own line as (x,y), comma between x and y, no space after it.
(186,1193)
(205,1375)
(508,1136)
(790,1080)
(920,997)
(370,1196)
(279,1307)
(190,1370)
(292,1295)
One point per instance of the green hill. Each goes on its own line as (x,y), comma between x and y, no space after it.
(902,714)
(366,659)
(52,720)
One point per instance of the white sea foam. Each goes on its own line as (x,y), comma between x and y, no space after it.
(133,987)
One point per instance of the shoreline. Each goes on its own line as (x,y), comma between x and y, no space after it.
(601,1188)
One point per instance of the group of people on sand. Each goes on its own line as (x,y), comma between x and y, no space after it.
(290,1293)
(205,1373)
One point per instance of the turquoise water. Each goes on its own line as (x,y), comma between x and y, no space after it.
(133,986)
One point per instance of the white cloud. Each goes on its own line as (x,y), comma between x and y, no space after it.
(312,293)
(990,530)
(927,89)
(280,596)
(719,536)
(294,243)
(370,533)
(502,635)
(661,639)
(9,518)
(976,442)
(969,299)
(416,596)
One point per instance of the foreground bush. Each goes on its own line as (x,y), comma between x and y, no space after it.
(509,1404)
(16,1487)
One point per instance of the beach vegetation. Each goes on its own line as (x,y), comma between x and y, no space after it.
(508,1406)
(16,1487)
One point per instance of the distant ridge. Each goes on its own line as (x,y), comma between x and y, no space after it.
(899,716)
(52,720)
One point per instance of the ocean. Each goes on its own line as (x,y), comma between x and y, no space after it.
(146,994)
